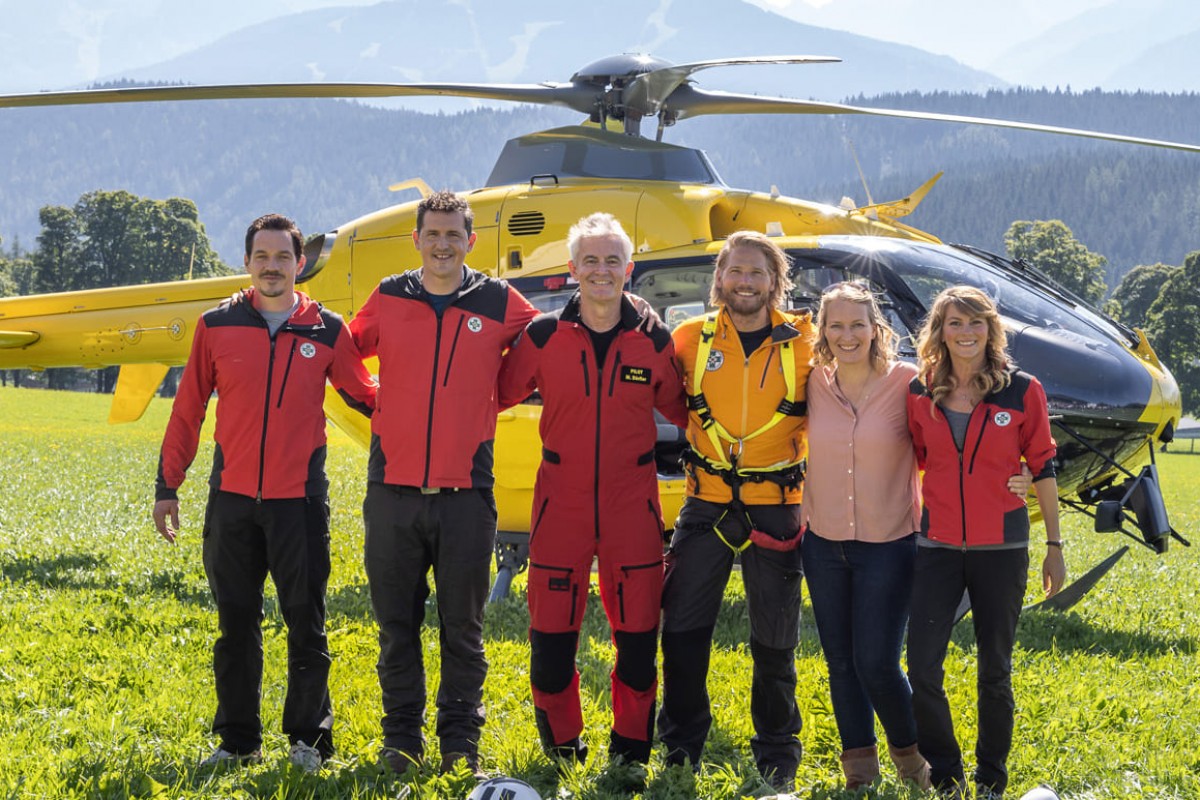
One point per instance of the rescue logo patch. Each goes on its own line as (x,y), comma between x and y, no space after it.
(715,359)
(308,349)
(631,374)
(474,324)
(1002,418)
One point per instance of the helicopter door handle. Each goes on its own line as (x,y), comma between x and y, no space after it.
(545,176)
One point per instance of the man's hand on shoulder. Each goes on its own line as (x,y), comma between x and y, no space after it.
(162,510)
(651,321)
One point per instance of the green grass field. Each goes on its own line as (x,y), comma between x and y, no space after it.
(105,636)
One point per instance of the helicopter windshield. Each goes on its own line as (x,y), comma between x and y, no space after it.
(581,153)
(927,269)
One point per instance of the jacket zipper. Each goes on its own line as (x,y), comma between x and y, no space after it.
(537,523)
(453,350)
(286,372)
(437,351)
(262,445)
(596,464)
(613,379)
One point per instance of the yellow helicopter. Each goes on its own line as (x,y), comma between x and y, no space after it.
(1111,398)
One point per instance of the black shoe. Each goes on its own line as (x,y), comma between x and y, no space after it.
(450,764)
(399,761)
(572,752)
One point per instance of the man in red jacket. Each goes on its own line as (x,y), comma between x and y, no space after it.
(601,376)
(267,354)
(439,333)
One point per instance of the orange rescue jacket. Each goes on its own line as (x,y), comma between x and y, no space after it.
(743,392)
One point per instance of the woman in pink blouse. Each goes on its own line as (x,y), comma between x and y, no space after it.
(861,508)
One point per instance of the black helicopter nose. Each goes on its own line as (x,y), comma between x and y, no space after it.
(1081,374)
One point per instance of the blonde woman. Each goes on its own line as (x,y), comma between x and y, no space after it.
(861,508)
(974,419)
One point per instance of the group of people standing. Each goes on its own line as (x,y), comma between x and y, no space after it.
(762,392)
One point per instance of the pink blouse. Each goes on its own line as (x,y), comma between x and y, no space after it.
(862,474)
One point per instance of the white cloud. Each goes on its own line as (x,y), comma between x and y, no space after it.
(370,51)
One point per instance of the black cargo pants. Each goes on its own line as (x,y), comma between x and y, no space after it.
(244,541)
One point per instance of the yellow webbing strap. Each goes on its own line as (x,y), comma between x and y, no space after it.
(716,431)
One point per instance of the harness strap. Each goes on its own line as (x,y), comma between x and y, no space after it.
(789,406)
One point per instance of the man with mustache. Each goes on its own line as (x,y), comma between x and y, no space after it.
(745,368)
(267,353)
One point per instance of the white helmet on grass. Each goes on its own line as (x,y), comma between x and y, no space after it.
(503,788)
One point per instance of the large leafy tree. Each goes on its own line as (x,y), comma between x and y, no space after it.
(1051,247)
(115,238)
(1137,291)
(1173,325)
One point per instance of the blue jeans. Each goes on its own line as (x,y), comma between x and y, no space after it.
(860,594)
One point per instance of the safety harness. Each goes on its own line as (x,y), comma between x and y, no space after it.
(786,475)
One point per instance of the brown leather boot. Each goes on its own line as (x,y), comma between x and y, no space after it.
(861,766)
(911,766)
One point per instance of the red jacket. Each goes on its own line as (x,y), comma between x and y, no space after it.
(436,419)
(966,497)
(597,423)
(270,395)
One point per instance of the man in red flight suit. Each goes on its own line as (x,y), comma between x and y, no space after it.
(267,354)
(600,377)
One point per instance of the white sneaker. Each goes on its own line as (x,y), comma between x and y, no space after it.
(305,757)
(223,758)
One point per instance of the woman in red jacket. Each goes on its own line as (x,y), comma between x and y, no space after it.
(974,417)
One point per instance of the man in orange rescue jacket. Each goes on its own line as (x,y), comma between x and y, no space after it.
(745,368)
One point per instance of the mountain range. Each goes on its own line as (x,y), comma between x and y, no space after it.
(1111,44)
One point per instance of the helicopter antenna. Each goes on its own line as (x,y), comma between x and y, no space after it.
(861,175)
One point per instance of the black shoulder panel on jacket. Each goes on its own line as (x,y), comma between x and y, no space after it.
(406,284)
(915,386)
(660,337)
(542,328)
(326,333)
(1012,396)
(487,297)
(234,315)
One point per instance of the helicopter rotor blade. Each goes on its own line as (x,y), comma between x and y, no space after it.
(691,102)
(646,93)
(577,97)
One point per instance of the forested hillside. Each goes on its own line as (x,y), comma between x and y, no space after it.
(326,162)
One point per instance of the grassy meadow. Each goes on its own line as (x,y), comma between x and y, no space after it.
(106,630)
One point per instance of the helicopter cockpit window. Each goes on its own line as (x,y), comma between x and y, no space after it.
(548,302)
(811,280)
(676,293)
(928,270)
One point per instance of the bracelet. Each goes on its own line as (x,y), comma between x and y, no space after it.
(1054,543)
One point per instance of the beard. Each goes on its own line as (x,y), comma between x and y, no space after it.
(745,306)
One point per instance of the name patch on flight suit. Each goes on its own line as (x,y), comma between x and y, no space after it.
(630,374)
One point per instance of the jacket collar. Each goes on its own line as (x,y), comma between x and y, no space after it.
(782,329)
(630,318)
(306,314)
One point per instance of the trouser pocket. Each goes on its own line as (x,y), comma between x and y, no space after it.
(556,599)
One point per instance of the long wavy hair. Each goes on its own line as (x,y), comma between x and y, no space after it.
(934,357)
(777,260)
(883,346)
